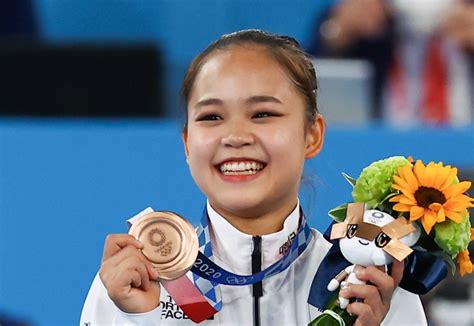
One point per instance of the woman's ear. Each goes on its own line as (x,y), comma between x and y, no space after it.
(315,137)
(184,136)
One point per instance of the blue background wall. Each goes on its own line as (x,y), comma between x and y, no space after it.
(180,28)
(66,184)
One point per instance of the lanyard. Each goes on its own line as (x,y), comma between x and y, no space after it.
(208,275)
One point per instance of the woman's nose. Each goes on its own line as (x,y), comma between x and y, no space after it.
(238,137)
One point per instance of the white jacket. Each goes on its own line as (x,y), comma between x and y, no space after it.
(285,295)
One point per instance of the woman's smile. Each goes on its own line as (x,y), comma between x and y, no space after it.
(240,169)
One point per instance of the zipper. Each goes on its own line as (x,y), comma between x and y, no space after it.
(257,288)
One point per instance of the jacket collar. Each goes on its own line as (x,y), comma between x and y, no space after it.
(232,249)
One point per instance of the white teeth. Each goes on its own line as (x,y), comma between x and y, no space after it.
(234,168)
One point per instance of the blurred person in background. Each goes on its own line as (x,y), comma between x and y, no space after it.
(422,53)
(6,320)
(17,20)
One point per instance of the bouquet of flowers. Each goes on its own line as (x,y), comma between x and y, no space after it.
(430,197)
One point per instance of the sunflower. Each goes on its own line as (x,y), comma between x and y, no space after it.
(431,193)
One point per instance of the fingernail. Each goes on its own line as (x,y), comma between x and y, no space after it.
(360,272)
(344,290)
(155,274)
(139,244)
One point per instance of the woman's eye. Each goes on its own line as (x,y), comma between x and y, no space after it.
(264,114)
(209,117)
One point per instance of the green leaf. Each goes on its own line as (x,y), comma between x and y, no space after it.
(385,206)
(349,179)
(339,213)
(390,195)
(448,259)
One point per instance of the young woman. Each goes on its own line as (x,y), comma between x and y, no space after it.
(252,121)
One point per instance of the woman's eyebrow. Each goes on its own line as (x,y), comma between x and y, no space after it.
(208,101)
(262,99)
(251,100)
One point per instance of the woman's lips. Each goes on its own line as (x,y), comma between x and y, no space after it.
(240,169)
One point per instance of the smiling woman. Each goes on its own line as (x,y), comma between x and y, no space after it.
(252,122)
(244,109)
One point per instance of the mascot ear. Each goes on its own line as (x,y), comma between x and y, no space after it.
(411,238)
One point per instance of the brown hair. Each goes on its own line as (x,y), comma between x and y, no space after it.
(286,51)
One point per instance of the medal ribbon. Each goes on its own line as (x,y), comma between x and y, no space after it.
(208,275)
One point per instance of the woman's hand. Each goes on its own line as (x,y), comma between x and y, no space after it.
(128,276)
(376,294)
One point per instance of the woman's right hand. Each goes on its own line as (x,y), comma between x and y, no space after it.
(128,276)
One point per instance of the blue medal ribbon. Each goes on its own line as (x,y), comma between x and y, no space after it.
(207,275)
(423,271)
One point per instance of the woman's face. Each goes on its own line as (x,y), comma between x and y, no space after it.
(246,140)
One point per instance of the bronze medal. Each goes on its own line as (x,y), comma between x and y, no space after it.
(169,242)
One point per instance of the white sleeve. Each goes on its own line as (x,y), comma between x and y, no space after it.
(405,309)
(99,309)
